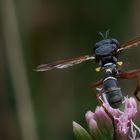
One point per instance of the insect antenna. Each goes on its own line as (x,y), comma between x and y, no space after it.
(107,34)
(104,36)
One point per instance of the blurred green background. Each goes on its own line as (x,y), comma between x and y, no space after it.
(42,106)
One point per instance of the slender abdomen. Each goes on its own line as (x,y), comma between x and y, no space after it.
(112,91)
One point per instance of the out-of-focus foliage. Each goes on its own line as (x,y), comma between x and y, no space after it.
(40,31)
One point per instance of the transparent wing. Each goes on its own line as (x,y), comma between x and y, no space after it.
(132,74)
(130,43)
(64,63)
(97,84)
(129,74)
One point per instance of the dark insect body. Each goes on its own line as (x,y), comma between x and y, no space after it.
(106,53)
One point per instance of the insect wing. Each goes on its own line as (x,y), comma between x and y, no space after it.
(64,63)
(130,74)
(97,84)
(130,43)
(133,74)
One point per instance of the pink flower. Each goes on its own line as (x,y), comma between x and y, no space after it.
(121,119)
(109,123)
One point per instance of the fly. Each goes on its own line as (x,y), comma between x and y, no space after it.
(106,53)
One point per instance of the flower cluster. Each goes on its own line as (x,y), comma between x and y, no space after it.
(107,123)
